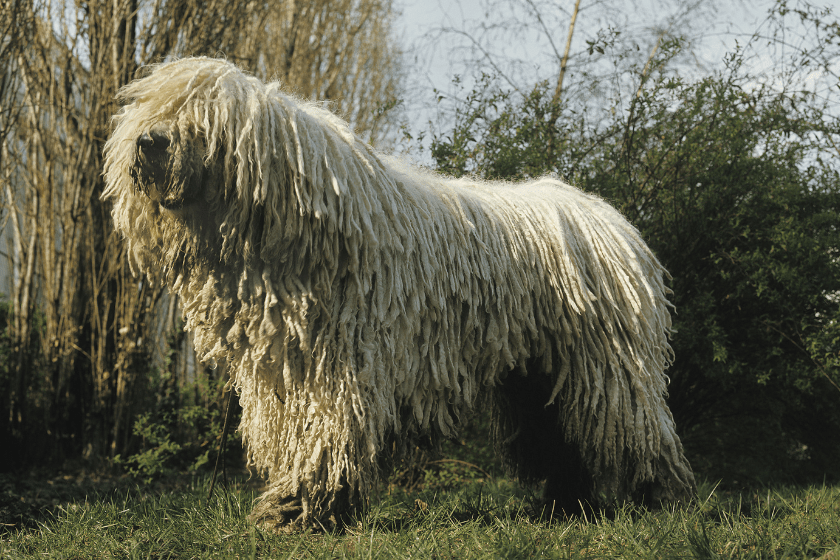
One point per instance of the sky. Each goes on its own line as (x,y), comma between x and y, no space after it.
(524,40)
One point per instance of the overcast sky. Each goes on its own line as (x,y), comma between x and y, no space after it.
(721,23)
(525,47)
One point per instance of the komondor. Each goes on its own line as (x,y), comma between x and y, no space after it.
(362,304)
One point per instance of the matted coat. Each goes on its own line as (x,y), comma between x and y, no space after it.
(359,301)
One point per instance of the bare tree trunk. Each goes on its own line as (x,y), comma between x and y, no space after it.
(89,359)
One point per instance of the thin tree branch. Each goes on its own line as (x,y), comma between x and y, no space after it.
(647,64)
(559,89)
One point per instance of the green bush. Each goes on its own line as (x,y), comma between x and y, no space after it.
(171,442)
(736,188)
(158,451)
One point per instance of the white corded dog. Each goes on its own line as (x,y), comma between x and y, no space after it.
(359,302)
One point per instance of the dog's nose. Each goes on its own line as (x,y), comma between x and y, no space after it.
(149,141)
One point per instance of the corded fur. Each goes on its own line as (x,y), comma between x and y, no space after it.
(356,297)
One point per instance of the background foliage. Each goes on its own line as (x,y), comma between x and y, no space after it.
(732,177)
(87,349)
(733,180)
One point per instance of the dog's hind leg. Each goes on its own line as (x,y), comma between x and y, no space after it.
(529,436)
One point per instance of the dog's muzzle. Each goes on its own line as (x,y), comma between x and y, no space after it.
(152,163)
(152,144)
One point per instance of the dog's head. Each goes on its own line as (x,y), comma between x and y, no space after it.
(207,160)
(179,169)
(172,168)
(174,139)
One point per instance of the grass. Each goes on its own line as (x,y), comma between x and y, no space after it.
(487,520)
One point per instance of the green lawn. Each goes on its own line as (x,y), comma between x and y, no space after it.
(487,520)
